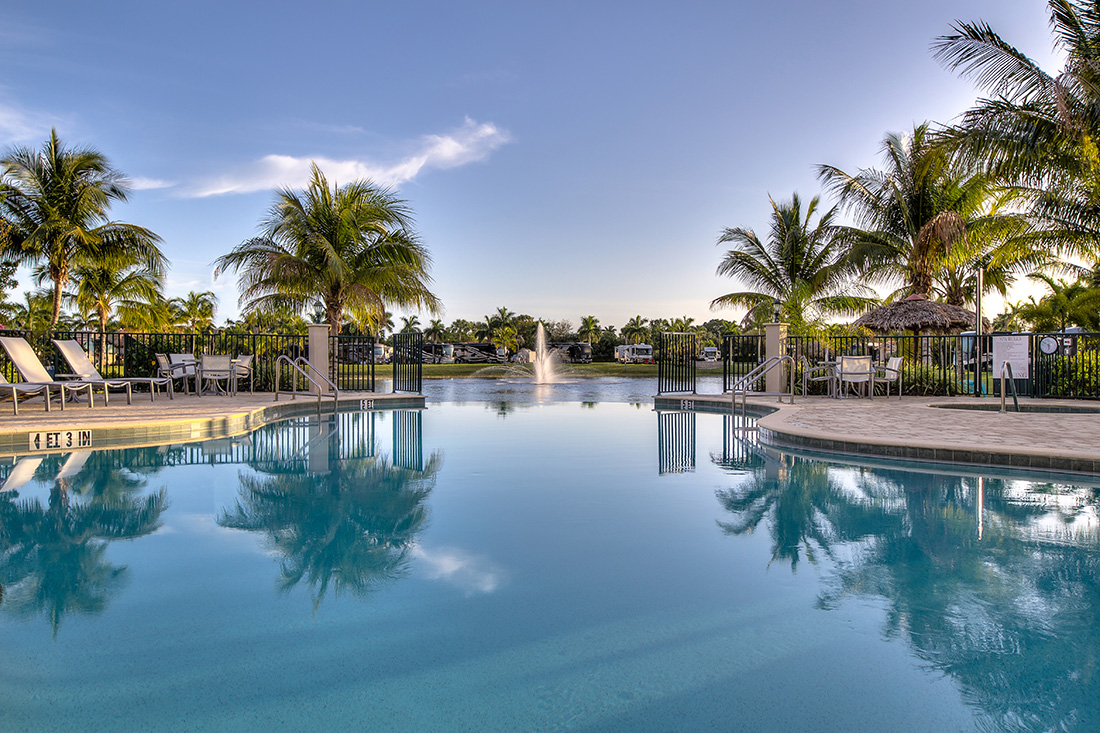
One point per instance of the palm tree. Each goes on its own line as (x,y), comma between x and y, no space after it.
(196,311)
(506,338)
(503,317)
(801,264)
(484,330)
(410,324)
(1072,304)
(105,290)
(33,314)
(54,206)
(635,330)
(435,331)
(925,216)
(348,247)
(1037,132)
(590,329)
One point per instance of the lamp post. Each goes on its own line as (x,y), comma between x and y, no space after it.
(776,307)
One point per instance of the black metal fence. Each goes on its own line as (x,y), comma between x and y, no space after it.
(740,355)
(676,354)
(1059,364)
(351,362)
(408,362)
(675,442)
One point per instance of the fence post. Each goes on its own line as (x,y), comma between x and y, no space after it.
(775,344)
(318,354)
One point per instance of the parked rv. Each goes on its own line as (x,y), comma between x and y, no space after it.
(634,354)
(710,353)
(476,352)
(578,352)
(382,354)
(439,353)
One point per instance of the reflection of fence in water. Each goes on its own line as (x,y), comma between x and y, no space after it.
(676,442)
(408,440)
(740,447)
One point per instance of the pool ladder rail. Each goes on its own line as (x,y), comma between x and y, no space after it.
(1006,367)
(308,372)
(741,386)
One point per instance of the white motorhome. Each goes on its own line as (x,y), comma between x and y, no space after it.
(710,353)
(634,354)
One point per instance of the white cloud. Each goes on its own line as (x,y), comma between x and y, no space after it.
(18,125)
(141,184)
(471,573)
(470,143)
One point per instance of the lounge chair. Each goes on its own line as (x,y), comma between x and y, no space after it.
(28,364)
(27,389)
(84,370)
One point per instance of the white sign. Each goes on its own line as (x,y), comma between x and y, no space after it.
(61,440)
(1014,350)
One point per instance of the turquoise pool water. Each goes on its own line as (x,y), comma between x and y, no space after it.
(538,565)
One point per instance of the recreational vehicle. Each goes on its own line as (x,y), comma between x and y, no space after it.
(634,354)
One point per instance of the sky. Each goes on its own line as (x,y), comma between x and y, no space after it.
(562,159)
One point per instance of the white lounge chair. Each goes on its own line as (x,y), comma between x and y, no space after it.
(28,364)
(84,370)
(185,366)
(26,388)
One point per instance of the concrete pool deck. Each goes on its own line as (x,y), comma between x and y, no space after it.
(182,419)
(966,430)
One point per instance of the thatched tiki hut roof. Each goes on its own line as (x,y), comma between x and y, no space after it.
(918,313)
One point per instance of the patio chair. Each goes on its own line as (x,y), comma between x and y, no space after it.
(188,368)
(82,367)
(28,364)
(242,367)
(216,368)
(855,373)
(27,389)
(824,372)
(890,374)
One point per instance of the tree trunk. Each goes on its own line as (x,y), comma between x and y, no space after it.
(58,284)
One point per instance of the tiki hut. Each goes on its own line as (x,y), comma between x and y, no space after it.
(920,315)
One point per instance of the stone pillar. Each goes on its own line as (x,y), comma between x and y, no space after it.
(318,353)
(775,344)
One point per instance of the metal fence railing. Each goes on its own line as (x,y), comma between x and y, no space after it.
(740,355)
(676,354)
(351,364)
(408,362)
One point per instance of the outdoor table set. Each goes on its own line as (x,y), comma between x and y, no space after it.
(220,372)
(856,375)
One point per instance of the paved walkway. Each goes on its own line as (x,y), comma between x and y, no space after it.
(914,427)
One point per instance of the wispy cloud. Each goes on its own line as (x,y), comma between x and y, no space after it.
(19,125)
(141,184)
(470,143)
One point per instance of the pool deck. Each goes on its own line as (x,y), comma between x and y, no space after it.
(928,429)
(146,422)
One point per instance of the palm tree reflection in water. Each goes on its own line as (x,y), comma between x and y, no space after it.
(53,558)
(995,582)
(348,527)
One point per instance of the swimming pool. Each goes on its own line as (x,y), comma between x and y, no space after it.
(536,564)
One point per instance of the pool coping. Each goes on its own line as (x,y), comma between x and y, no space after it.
(88,429)
(992,446)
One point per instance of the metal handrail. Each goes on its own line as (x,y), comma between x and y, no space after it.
(296,365)
(741,385)
(1005,366)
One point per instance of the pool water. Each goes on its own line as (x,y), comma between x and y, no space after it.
(539,565)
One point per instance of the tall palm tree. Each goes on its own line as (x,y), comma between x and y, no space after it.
(802,264)
(925,216)
(409,324)
(348,247)
(435,330)
(1037,131)
(106,290)
(54,206)
(1067,304)
(506,338)
(635,330)
(196,311)
(590,329)
(503,317)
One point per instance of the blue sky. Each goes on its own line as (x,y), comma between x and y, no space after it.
(563,159)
